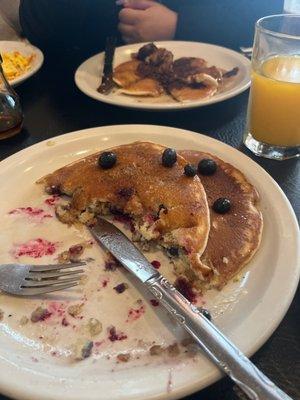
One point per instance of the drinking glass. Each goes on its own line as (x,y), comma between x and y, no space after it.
(11,116)
(273,120)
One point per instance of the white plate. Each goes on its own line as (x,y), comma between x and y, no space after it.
(25,49)
(248,311)
(87,76)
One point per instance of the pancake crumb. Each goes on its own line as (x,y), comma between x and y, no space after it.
(173,350)
(82,349)
(40,314)
(75,310)
(156,350)
(94,326)
(24,320)
(123,357)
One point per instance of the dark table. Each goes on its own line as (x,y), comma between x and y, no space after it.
(53,106)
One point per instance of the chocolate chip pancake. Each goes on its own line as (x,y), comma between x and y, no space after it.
(165,205)
(234,236)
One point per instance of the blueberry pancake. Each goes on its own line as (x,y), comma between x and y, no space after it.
(236,222)
(147,183)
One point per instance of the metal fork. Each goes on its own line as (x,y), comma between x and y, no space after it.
(30,280)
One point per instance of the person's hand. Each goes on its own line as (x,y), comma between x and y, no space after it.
(146,21)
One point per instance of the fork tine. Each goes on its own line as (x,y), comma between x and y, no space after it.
(49,282)
(43,290)
(54,267)
(54,274)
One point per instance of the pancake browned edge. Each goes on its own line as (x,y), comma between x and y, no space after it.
(166,206)
(235,236)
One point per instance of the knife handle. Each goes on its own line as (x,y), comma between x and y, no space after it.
(219,349)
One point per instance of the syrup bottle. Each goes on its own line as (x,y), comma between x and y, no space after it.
(11,116)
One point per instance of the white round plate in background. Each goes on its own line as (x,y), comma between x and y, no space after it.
(26,49)
(88,75)
(247,310)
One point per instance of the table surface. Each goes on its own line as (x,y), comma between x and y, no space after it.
(53,106)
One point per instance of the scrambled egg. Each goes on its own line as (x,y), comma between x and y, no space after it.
(16,64)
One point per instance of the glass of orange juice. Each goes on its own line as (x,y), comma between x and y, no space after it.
(273,121)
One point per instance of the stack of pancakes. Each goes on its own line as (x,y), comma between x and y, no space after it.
(168,208)
(153,71)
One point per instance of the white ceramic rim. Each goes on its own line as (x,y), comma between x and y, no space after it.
(13,387)
(35,67)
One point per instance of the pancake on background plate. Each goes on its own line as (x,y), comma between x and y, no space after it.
(184,93)
(126,73)
(152,71)
(144,87)
(131,82)
(234,236)
(165,206)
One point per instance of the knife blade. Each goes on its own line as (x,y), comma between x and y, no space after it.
(107,75)
(123,250)
(225,355)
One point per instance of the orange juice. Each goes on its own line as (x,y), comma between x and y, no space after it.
(274,108)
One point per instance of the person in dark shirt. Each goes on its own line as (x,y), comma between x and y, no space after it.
(228,23)
(81,26)
(78,28)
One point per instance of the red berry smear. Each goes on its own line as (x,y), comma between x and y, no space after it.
(104,282)
(98,344)
(31,212)
(35,248)
(156,264)
(111,265)
(114,335)
(57,308)
(154,302)
(186,289)
(51,201)
(64,322)
(135,313)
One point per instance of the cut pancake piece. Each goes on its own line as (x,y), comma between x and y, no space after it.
(144,87)
(165,206)
(235,236)
(184,93)
(126,73)
(190,69)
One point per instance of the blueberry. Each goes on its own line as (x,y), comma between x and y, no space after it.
(206,313)
(190,170)
(107,159)
(169,158)
(221,205)
(207,166)
(54,189)
(173,251)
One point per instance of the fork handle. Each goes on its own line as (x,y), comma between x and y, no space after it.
(219,349)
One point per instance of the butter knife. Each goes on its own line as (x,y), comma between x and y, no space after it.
(107,75)
(226,356)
